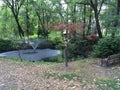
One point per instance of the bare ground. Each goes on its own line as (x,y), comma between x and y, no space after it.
(30,76)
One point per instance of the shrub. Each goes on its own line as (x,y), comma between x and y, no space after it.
(42,45)
(92,37)
(46,44)
(80,47)
(57,42)
(7,45)
(106,47)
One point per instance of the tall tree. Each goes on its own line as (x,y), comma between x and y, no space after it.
(110,17)
(94,5)
(15,6)
(4,19)
(116,22)
(89,21)
(27,20)
(43,13)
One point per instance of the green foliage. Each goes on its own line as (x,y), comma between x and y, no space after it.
(57,40)
(111,84)
(80,47)
(35,14)
(48,75)
(63,76)
(46,44)
(7,45)
(72,50)
(69,76)
(106,47)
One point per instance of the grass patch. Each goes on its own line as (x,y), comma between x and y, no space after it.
(56,59)
(25,61)
(108,84)
(63,76)
(42,62)
(70,76)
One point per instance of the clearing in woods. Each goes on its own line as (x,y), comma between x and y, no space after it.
(80,75)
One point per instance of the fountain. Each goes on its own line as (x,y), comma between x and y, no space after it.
(34,44)
(33,54)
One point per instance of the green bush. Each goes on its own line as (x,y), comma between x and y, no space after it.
(106,47)
(7,45)
(57,40)
(79,47)
(46,44)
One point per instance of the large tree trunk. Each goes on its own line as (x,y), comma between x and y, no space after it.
(73,14)
(118,7)
(27,21)
(90,22)
(94,5)
(84,19)
(15,6)
(39,29)
(98,25)
(21,33)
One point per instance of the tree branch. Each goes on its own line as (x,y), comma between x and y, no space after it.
(92,4)
(7,3)
(101,6)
